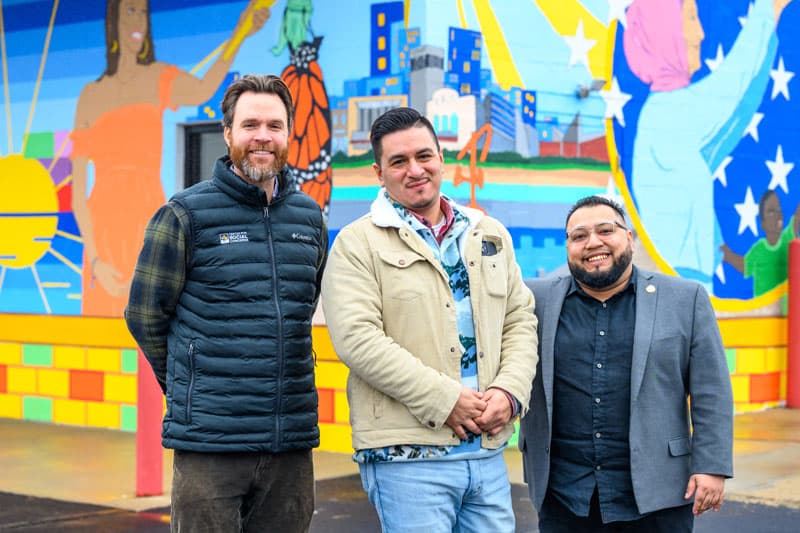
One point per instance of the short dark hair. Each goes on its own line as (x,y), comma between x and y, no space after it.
(397,119)
(592,201)
(257,83)
(763,201)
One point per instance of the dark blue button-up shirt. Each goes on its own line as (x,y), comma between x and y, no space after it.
(591,404)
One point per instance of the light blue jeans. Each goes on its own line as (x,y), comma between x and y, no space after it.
(467,495)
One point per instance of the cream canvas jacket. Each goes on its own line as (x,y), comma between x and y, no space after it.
(392,319)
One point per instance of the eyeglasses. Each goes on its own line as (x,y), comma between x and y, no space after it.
(603,230)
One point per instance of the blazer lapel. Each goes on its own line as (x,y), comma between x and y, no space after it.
(548,340)
(646,299)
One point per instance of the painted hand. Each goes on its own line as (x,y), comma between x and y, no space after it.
(708,491)
(109,278)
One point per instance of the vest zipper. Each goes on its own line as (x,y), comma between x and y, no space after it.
(278,396)
(191,385)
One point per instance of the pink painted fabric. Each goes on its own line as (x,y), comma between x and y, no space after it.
(655,46)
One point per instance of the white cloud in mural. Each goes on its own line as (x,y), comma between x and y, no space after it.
(720,174)
(780,171)
(752,128)
(748,212)
(713,64)
(616,11)
(615,100)
(780,80)
(579,46)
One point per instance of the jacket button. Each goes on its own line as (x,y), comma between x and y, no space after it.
(480,354)
(472,263)
(402,262)
(432,424)
(452,349)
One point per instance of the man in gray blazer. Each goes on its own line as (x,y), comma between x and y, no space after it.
(612,441)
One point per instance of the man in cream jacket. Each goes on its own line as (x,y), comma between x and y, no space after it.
(426,306)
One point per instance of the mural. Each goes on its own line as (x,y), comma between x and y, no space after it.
(704,136)
(680,108)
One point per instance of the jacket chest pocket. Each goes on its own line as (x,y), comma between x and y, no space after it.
(402,274)
(493,266)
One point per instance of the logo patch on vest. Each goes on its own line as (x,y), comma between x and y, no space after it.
(234,236)
(302,237)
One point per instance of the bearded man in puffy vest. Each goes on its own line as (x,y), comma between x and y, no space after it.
(221,305)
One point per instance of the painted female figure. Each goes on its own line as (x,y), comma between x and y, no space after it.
(118,127)
(685,129)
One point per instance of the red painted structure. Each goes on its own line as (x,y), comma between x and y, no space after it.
(793,342)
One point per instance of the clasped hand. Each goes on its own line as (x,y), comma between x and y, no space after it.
(478,412)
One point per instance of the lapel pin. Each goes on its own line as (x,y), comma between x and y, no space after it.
(650,288)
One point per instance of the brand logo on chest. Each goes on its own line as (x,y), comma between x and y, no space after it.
(232,237)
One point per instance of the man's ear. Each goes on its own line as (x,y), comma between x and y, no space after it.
(377,168)
(226,134)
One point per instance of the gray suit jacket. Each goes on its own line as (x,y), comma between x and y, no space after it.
(677,353)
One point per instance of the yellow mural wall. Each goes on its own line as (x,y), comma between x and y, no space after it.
(82,371)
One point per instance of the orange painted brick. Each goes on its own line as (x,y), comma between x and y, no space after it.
(765,387)
(3,387)
(326,406)
(86,385)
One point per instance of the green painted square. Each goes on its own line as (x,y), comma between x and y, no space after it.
(512,442)
(38,409)
(730,355)
(127,418)
(130,361)
(37,355)
(40,146)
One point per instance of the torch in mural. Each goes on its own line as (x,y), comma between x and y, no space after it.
(475,176)
(118,128)
(310,145)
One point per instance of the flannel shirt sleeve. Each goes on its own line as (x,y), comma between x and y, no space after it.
(157,285)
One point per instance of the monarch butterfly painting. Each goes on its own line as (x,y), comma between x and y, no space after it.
(310,144)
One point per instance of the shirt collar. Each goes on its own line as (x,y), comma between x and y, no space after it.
(447,211)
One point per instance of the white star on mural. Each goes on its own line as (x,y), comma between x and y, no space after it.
(616,11)
(780,170)
(579,46)
(743,19)
(780,80)
(752,128)
(713,64)
(615,100)
(720,174)
(720,272)
(748,212)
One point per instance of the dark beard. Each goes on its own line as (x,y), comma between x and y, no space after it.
(600,279)
(258,175)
